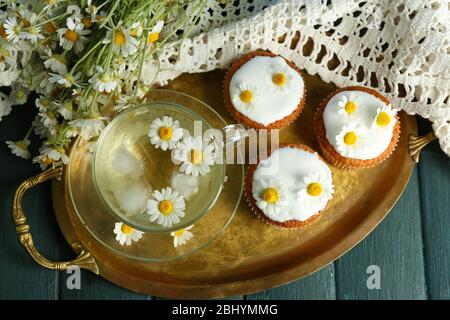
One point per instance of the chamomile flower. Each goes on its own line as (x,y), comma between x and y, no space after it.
(6,58)
(43,103)
(314,191)
(182,236)
(92,10)
(89,128)
(385,117)
(122,41)
(30,30)
(20,148)
(153,35)
(18,95)
(44,161)
(270,195)
(195,156)
(104,81)
(166,207)
(245,96)
(5,105)
(348,105)
(54,153)
(39,128)
(42,83)
(280,76)
(165,133)
(13,29)
(56,63)
(65,109)
(73,36)
(33,34)
(126,234)
(67,80)
(136,29)
(350,139)
(123,102)
(50,4)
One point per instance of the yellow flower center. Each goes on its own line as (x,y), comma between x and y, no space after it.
(20,94)
(350,138)
(314,189)
(67,106)
(383,119)
(70,79)
(153,37)
(60,150)
(196,156)
(51,114)
(22,145)
(126,229)
(350,107)
(246,96)
(47,161)
(87,22)
(179,233)
(71,35)
(25,23)
(279,79)
(59,58)
(50,27)
(165,133)
(3,32)
(270,195)
(165,207)
(119,38)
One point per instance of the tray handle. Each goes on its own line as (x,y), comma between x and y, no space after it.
(417,143)
(84,260)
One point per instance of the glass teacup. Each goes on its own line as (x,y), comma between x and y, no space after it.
(128,168)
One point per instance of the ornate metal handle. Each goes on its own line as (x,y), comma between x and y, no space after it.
(84,259)
(417,143)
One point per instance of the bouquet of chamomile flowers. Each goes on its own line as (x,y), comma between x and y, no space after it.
(81,58)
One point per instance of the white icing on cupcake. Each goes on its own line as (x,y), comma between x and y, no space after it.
(266,89)
(358,124)
(292,184)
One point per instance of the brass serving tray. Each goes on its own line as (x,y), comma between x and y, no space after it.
(250,255)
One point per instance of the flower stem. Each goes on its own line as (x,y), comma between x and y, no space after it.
(85,56)
(28,133)
(52,19)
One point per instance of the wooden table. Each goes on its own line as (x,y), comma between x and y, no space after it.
(411,246)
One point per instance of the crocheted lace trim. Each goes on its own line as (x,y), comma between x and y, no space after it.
(401,48)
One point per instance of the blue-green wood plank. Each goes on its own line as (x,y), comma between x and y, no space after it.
(434,173)
(319,285)
(20,276)
(396,247)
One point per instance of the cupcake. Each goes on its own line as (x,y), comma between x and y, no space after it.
(264,91)
(290,188)
(356,127)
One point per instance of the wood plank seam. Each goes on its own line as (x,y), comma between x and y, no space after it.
(422,229)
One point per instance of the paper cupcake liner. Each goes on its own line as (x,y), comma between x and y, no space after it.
(242,118)
(329,152)
(289,224)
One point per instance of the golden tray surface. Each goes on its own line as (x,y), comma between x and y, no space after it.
(250,255)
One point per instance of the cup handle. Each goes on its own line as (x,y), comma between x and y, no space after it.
(234,133)
(84,260)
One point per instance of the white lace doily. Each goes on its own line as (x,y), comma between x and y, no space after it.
(401,48)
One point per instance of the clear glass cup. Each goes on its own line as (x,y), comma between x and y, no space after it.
(127,168)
